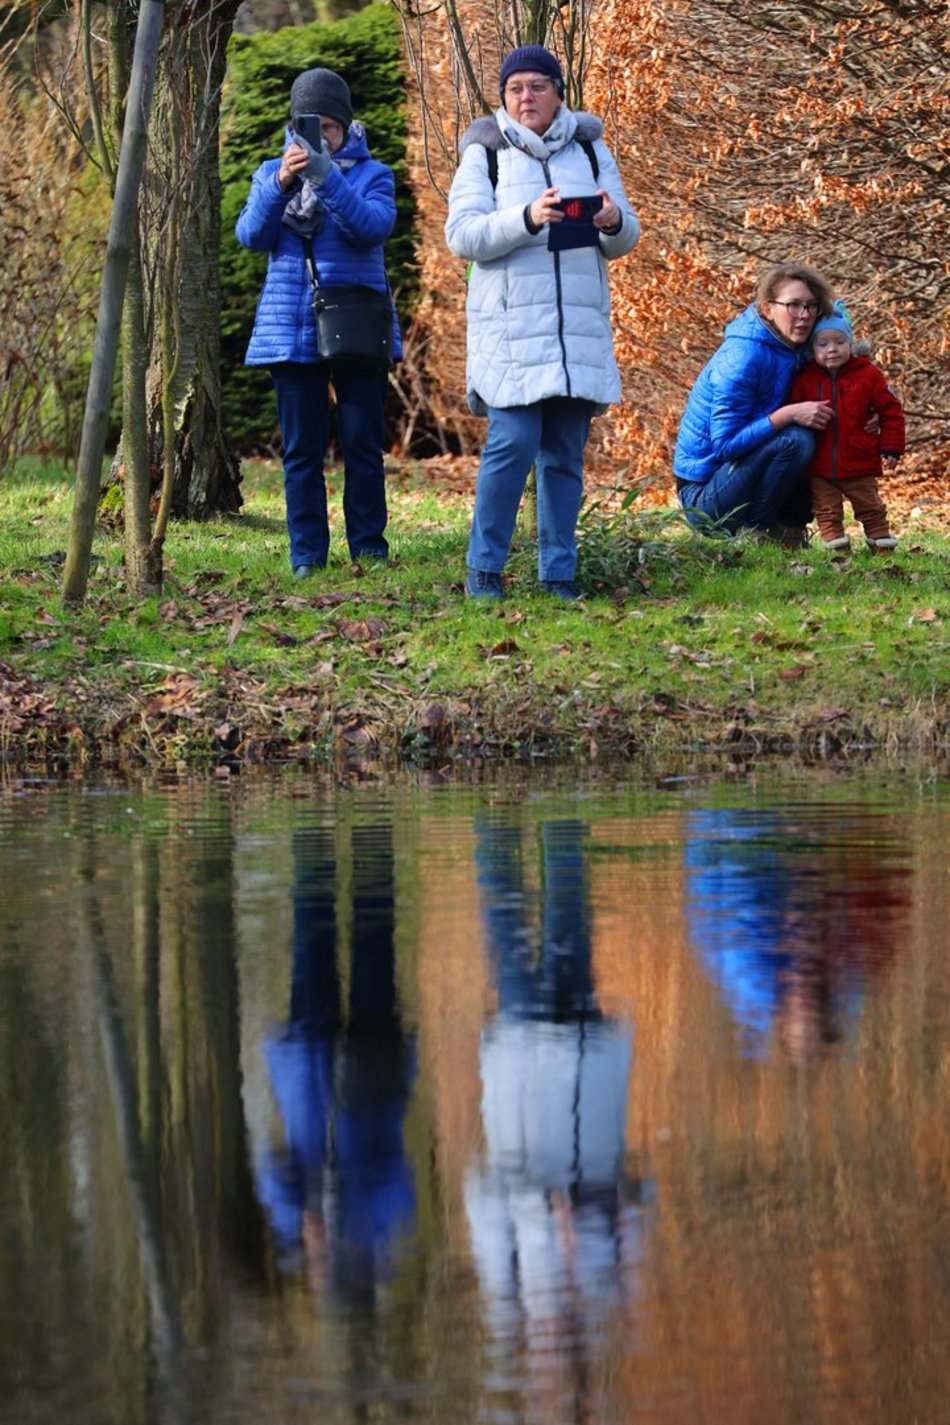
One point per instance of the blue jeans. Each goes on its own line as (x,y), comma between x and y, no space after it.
(766,487)
(550,435)
(303,409)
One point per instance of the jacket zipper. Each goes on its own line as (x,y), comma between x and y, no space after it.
(559,295)
(834,417)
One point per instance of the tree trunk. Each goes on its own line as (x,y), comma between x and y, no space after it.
(141,578)
(111,300)
(185,168)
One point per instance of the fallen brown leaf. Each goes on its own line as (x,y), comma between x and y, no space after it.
(360,630)
(665,706)
(825,715)
(286,640)
(433,717)
(178,682)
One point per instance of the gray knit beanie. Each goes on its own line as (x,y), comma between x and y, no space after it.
(320,91)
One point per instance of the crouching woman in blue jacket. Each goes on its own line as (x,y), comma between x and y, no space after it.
(743,451)
(340,202)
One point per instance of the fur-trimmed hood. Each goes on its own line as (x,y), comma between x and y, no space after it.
(487,132)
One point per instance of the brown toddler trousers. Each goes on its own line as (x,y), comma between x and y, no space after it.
(828,497)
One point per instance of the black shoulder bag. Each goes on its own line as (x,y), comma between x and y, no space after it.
(354,323)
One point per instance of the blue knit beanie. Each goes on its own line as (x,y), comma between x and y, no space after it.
(839,321)
(532,59)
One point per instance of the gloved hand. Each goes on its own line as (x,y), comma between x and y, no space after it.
(319,160)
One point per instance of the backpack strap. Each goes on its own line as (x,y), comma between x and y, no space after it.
(491,157)
(588,146)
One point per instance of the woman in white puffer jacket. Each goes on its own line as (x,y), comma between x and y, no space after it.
(540,348)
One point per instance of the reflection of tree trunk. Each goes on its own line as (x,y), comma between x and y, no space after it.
(164,1314)
(205,1133)
(210,937)
(146,949)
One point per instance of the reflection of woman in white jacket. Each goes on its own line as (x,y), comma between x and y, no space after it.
(554,1232)
(540,350)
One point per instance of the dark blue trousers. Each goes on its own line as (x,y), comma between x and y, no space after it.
(303,409)
(765,486)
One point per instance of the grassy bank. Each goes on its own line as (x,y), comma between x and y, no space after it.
(681,643)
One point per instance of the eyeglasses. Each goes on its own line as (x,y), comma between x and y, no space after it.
(536,87)
(799,309)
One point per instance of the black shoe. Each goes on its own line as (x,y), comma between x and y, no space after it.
(483,584)
(564,589)
(789,536)
(307,571)
(370,556)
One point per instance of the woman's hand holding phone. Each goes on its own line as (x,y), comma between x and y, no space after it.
(574,224)
(309,138)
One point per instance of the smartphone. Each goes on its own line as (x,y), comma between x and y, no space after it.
(576,229)
(308,127)
(581,210)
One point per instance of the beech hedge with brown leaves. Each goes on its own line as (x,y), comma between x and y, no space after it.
(747,134)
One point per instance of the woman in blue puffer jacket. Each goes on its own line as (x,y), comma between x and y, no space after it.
(742,453)
(342,202)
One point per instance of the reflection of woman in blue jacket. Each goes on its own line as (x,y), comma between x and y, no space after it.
(742,453)
(342,202)
(341,1186)
(792,916)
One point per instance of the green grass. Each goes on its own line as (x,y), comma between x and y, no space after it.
(680,642)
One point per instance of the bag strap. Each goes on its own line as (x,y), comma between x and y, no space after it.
(312,273)
(310,260)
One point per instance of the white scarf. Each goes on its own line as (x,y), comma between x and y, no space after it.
(541,146)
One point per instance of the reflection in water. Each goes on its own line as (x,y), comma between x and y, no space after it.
(793,916)
(474,1231)
(341,1188)
(550,1233)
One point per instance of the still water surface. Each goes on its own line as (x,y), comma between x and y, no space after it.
(522,1102)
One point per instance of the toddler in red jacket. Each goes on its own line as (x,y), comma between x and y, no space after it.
(847,459)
